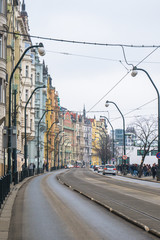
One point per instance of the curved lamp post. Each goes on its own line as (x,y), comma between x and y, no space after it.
(66,152)
(38,138)
(25,134)
(47,141)
(124,135)
(67,139)
(58,147)
(42,53)
(134,73)
(112,133)
(55,146)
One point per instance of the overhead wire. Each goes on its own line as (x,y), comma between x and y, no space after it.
(96,44)
(82,42)
(138,108)
(123,76)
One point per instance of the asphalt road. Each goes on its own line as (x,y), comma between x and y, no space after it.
(44,209)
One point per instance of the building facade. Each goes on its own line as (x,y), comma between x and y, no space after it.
(3,78)
(39,77)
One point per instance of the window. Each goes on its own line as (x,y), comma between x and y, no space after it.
(31,124)
(154,152)
(26,95)
(37,77)
(32,58)
(141,152)
(37,95)
(27,71)
(37,114)
(31,79)
(0,45)
(26,120)
(1,6)
(1,91)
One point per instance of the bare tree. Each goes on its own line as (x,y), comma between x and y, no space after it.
(146,134)
(104,148)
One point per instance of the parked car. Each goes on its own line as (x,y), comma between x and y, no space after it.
(109,169)
(70,166)
(95,167)
(100,168)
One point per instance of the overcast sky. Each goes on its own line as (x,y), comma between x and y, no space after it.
(87,72)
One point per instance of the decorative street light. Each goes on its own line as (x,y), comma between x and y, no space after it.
(42,53)
(112,133)
(59,146)
(25,125)
(38,138)
(55,146)
(67,139)
(47,142)
(134,73)
(124,135)
(65,161)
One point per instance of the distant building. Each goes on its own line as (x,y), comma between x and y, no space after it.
(39,78)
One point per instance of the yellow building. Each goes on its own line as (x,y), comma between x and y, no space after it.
(52,119)
(98,131)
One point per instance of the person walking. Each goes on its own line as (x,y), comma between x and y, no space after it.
(153,170)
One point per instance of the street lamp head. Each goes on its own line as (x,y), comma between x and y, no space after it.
(134,72)
(44,86)
(107,104)
(41,50)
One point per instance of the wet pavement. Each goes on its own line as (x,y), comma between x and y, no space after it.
(6,211)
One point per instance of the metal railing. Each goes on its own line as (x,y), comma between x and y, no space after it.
(4,188)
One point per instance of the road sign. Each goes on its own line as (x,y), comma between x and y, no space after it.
(158,155)
(124,157)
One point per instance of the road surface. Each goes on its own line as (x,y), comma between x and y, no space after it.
(45,209)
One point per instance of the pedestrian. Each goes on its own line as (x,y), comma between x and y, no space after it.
(33,168)
(153,170)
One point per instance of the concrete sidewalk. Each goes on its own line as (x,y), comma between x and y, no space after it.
(147,178)
(6,210)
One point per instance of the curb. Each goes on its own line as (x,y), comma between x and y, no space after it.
(136,223)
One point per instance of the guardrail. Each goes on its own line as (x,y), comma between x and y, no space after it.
(4,188)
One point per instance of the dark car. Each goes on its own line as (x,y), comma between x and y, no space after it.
(95,167)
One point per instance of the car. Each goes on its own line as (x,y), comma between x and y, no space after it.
(109,169)
(70,166)
(100,168)
(95,167)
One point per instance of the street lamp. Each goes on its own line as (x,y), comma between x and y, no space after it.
(25,134)
(58,147)
(112,133)
(67,139)
(66,152)
(47,142)
(38,138)
(124,140)
(55,146)
(134,73)
(42,53)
